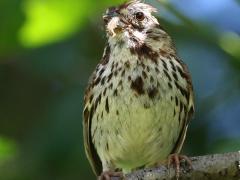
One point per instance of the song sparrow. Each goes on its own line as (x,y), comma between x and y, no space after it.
(139,100)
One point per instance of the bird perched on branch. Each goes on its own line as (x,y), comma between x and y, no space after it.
(140,98)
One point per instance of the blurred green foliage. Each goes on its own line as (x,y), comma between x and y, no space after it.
(52,20)
(230,42)
(11,21)
(226,145)
(8,149)
(49,48)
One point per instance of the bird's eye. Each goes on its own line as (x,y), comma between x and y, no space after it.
(139,16)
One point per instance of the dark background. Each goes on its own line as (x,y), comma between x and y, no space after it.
(48,49)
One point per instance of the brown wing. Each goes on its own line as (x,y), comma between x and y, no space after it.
(87,119)
(90,149)
(190,110)
(180,141)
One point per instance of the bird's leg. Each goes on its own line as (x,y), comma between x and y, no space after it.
(106,175)
(175,159)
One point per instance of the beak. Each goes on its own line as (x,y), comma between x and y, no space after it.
(114,26)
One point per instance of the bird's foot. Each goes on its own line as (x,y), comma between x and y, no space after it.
(175,159)
(107,175)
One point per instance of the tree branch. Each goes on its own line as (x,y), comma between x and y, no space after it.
(209,167)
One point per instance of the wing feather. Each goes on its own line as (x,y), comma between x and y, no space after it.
(90,149)
(190,110)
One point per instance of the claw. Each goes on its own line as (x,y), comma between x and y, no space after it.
(106,175)
(175,159)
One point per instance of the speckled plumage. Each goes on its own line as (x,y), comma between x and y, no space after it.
(139,99)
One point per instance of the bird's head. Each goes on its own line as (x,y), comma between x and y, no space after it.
(132,23)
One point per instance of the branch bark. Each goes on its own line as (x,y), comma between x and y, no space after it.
(209,167)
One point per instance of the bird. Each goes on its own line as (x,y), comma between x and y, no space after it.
(139,99)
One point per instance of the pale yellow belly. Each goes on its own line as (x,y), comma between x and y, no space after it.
(137,133)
